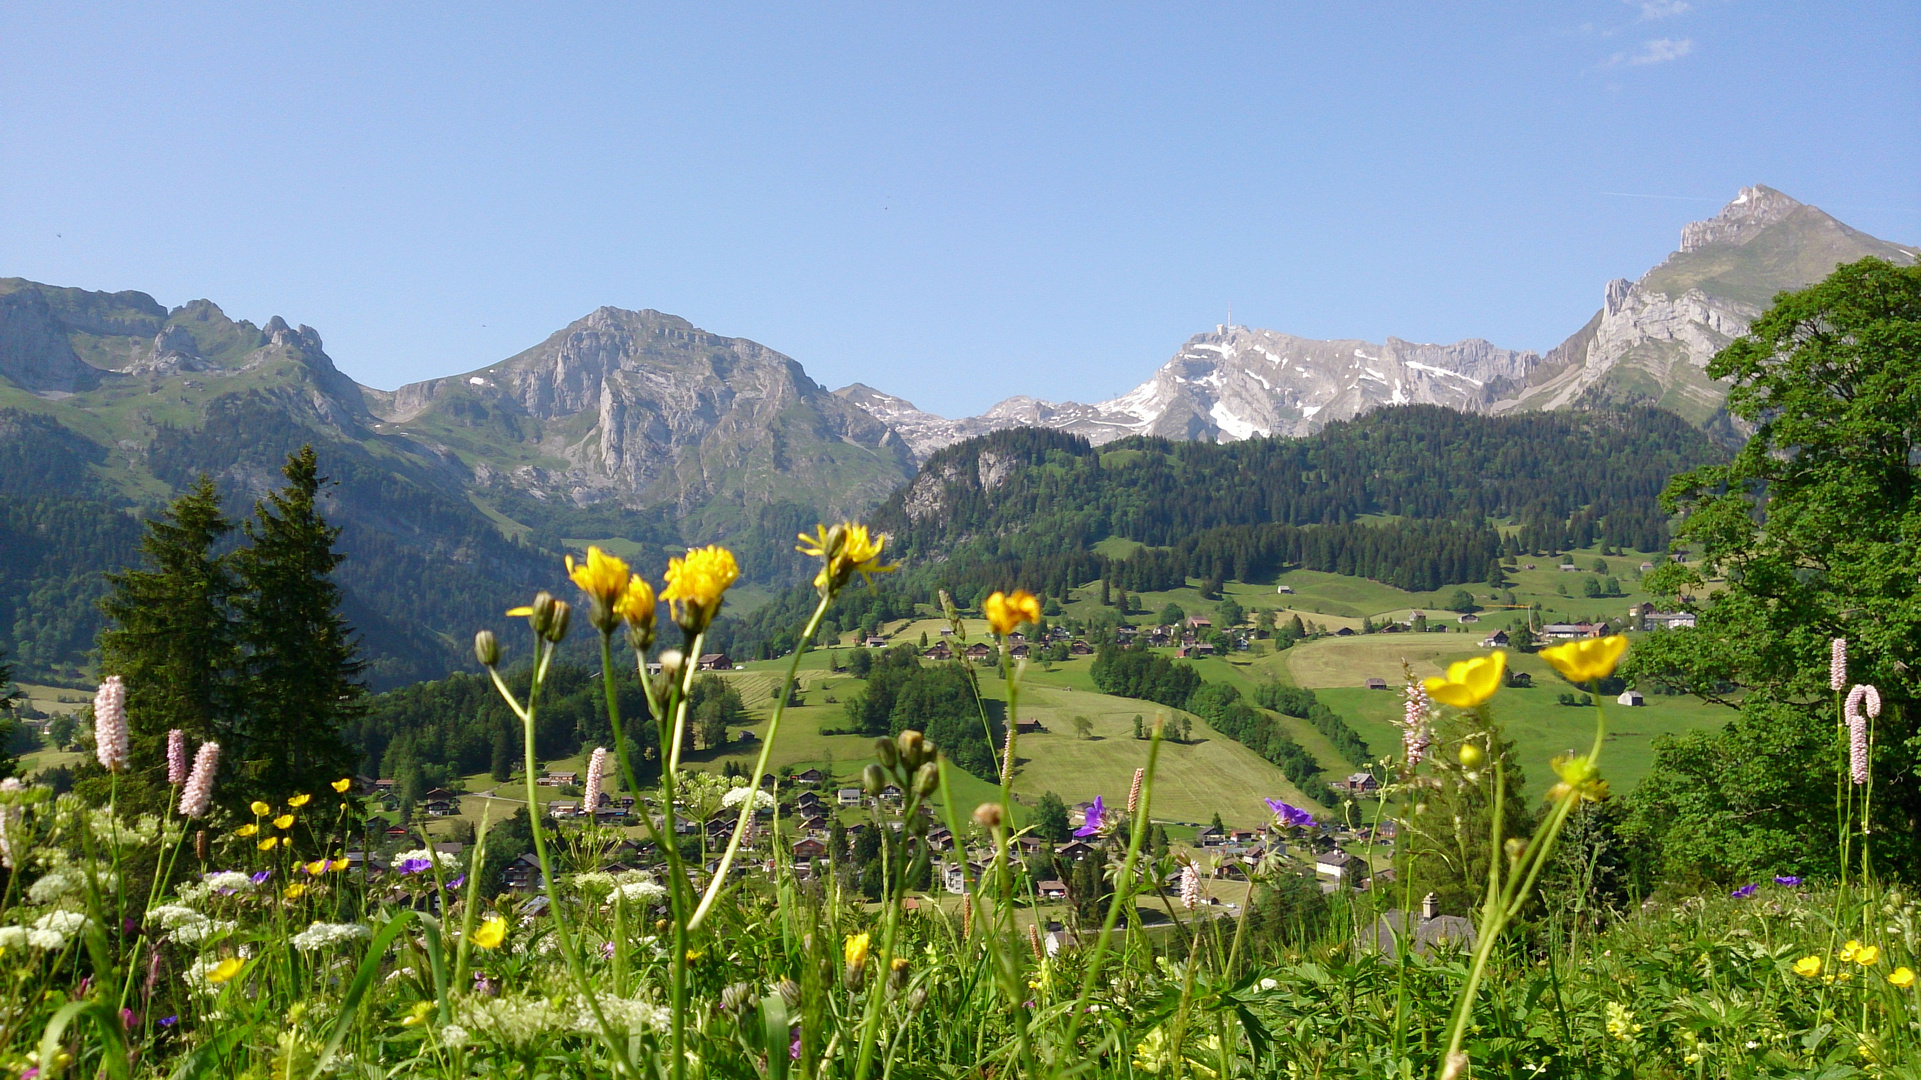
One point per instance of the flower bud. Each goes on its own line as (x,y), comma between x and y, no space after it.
(884,750)
(1515,848)
(872,779)
(557,627)
(988,815)
(926,779)
(1471,756)
(913,748)
(542,610)
(487,648)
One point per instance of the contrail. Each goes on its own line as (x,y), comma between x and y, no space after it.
(1676,198)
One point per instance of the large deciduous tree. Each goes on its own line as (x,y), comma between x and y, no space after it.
(1816,528)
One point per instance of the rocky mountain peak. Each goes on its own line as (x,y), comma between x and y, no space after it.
(1740,221)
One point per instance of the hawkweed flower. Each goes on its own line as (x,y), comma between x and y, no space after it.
(176,757)
(110,724)
(1588,659)
(696,584)
(596,775)
(547,616)
(1469,682)
(845,549)
(1190,887)
(636,607)
(1290,817)
(855,949)
(1838,664)
(1864,702)
(603,578)
(1134,793)
(1094,820)
(1006,613)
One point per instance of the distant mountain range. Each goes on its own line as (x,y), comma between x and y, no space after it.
(642,431)
(1649,344)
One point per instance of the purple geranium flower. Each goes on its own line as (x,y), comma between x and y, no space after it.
(1745,891)
(457,882)
(262,876)
(413,866)
(1094,815)
(1788,880)
(167,1022)
(1290,816)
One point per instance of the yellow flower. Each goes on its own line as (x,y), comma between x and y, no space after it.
(260,809)
(247,830)
(1588,659)
(268,843)
(284,821)
(695,584)
(338,864)
(846,549)
(1849,951)
(900,962)
(603,578)
(341,785)
(636,603)
(1578,774)
(299,801)
(316,867)
(1808,967)
(1006,613)
(225,970)
(491,933)
(856,949)
(1469,682)
(419,1013)
(1868,955)
(295,891)
(1902,977)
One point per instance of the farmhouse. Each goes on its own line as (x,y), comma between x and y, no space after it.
(1338,866)
(1497,640)
(714,661)
(1630,698)
(1377,684)
(1667,620)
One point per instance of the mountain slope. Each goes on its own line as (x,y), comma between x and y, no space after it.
(1649,344)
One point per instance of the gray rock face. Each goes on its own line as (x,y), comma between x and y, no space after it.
(35,351)
(647,408)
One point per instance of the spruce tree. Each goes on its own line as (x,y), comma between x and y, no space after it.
(9,695)
(301,663)
(170,631)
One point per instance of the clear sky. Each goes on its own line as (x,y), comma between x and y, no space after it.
(951,202)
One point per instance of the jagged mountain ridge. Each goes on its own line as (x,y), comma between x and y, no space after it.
(1649,344)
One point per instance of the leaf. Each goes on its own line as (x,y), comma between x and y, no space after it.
(363,978)
(113,1044)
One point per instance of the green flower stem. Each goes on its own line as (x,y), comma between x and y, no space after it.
(760,769)
(1503,904)
(1122,896)
(475,866)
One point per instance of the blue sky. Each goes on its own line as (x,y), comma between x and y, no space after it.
(951,202)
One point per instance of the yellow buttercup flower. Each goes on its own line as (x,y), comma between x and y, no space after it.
(247,830)
(338,864)
(260,809)
(225,970)
(1469,682)
(1849,950)
(1868,955)
(491,933)
(299,801)
(269,843)
(696,583)
(341,785)
(1808,967)
(1006,613)
(856,949)
(1580,775)
(1902,977)
(284,821)
(1588,659)
(295,891)
(316,867)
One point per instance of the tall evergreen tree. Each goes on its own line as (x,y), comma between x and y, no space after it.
(301,662)
(170,633)
(9,694)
